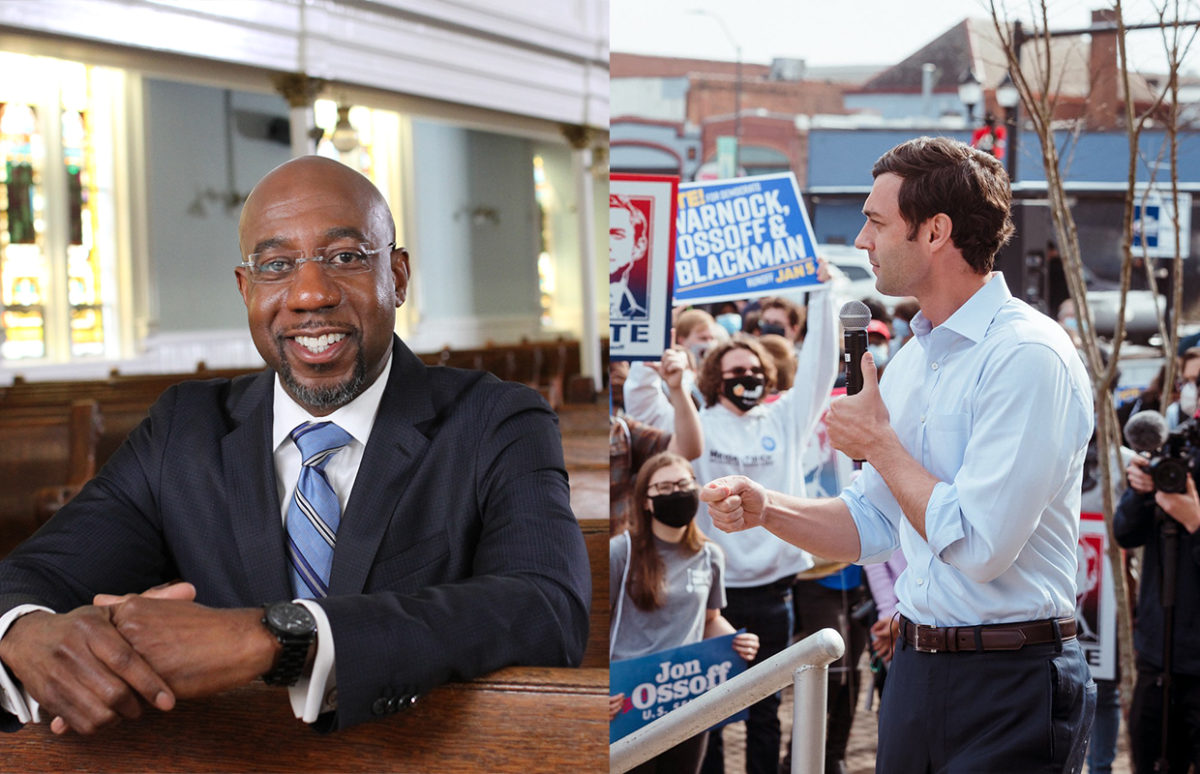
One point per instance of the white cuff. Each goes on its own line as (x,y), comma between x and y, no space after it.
(316,692)
(13,699)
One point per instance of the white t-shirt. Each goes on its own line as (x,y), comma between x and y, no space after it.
(766,444)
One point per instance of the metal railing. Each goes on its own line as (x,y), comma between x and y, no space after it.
(805,664)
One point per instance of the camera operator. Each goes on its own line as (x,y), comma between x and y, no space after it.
(1162,498)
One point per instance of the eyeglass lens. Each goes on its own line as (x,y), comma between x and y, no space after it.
(667,487)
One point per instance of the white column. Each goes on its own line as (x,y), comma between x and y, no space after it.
(300,90)
(589,345)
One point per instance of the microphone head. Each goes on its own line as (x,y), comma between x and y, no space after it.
(1146,431)
(855,316)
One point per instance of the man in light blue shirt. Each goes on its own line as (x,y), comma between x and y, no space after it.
(975,447)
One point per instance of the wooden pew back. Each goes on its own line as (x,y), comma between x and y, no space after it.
(42,450)
(595,536)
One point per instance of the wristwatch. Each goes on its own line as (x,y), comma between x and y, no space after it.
(295,628)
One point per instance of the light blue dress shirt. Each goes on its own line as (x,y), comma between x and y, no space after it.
(996,403)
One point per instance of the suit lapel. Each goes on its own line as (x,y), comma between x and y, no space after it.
(254,510)
(393,452)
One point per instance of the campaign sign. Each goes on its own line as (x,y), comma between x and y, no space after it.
(1096,605)
(742,238)
(641,252)
(660,682)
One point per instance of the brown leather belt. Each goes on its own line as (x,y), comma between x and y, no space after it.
(1005,636)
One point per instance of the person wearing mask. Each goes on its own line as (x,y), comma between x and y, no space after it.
(694,333)
(902,315)
(782,317)
(879,338)
(1189,376)
(729,316)
(666,583)
(1145,517)
(767,441)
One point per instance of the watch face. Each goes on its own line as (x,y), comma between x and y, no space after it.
(290,618)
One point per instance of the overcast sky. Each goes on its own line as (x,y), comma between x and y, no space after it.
(848,31)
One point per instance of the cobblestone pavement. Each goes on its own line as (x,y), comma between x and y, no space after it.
(860,753)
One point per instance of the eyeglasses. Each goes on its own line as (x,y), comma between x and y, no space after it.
(670,487)
(274,265)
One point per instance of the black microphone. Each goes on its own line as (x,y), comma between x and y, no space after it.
(855,317)
(1146,431)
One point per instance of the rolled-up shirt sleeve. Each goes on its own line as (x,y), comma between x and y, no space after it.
(876,532)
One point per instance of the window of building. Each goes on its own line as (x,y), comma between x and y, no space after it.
(57,300)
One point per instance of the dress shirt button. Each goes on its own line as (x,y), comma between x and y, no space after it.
(934,366)
(920,581)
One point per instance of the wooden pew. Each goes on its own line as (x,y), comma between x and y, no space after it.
(519,720)
(43,454)
(545,366)
(595,536)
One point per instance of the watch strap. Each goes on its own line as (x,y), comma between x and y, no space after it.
(290,664)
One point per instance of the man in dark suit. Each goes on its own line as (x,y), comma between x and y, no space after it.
(446,511)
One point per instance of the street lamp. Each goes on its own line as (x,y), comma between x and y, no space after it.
(970,93)
(1009,98)
(737,88)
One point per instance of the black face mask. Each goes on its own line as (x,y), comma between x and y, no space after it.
(676,509)
(765,328)
(744,391)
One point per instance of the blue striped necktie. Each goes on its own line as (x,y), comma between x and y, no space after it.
(314,512)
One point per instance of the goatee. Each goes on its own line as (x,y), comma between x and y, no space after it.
(328,397)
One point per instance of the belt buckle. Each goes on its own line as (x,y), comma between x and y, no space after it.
(928,633)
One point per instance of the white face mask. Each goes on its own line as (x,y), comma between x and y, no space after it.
(879,352)
(1187,399)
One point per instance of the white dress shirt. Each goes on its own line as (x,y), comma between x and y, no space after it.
(315,692)
(996,403)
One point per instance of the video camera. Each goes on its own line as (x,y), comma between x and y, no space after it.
(1170,452)
(1170,466)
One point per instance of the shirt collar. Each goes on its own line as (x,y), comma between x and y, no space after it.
(971,320)
(356,417)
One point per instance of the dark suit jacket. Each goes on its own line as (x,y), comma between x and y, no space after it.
(457,554)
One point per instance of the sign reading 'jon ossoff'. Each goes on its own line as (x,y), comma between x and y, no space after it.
(654,685)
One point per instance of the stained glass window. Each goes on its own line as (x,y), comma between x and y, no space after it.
(24,272)
(51,290)
(83,269)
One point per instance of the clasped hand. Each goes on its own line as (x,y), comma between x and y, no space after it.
(95,665)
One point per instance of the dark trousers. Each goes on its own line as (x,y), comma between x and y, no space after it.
(819,607)
(767,612)
(1028,710)
(683,758)
(1145,721)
